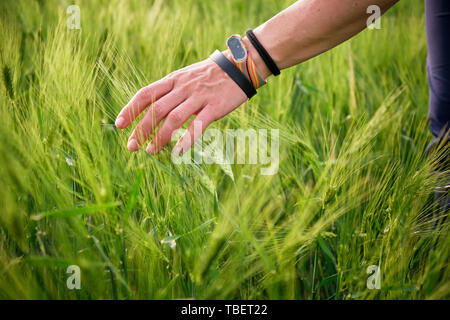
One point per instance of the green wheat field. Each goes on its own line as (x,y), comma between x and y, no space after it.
(354,188)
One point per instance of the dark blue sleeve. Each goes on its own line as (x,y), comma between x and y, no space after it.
(438,64)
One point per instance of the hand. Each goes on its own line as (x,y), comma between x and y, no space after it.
(202,89)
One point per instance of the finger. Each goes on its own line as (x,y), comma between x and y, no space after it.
(141,100)
(153,117)
(204,118)
(175,119)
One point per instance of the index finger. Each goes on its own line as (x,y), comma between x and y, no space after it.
(141,100)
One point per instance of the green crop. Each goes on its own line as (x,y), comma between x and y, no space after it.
(354,187)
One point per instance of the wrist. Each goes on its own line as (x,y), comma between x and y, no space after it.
(259,62)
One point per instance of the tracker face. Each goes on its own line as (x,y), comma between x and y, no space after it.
(237,49)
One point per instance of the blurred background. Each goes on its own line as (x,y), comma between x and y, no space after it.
(353,190)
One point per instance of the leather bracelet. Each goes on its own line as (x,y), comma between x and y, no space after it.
(233,72)
(263,52)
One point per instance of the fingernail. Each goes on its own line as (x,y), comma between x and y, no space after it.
(132,145)
(151,148)
(119,122)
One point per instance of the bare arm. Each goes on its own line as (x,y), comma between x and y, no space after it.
(310,27)
(300,32)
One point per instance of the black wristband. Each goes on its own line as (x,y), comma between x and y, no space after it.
(263,53)
(234,73)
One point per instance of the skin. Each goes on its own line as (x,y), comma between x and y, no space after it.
(298,33)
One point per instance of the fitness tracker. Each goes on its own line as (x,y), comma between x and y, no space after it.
(237,49)
(235,74)
(241,69)
(243,60)
(263,53)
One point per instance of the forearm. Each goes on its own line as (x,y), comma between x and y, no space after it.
(310,27)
